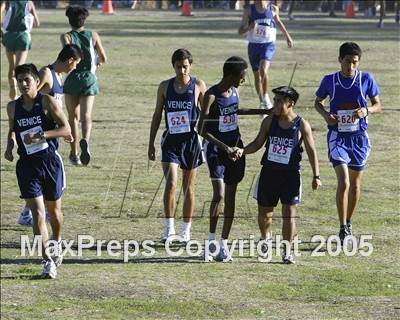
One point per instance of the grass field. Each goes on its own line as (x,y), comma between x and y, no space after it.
(113,197)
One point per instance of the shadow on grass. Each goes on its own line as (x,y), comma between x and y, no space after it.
(72,261)
(24,277)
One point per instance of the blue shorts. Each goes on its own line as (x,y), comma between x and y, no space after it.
(351,150)
(274,185)
(221,167)
(260,51)
(185,152)
(41,176)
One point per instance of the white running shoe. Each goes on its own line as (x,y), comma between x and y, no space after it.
(167,234)
(223,256)
(57,254)
(212,249)
(49,269)
(25,219)
(185,236)
(288,259)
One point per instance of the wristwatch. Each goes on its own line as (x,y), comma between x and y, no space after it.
(316,177)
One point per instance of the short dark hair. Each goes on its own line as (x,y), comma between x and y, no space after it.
(70,51)
(287,92)
(76,15)
(27,68)
(180,55)
(349,49)
(234,66)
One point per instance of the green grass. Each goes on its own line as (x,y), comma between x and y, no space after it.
(139,45)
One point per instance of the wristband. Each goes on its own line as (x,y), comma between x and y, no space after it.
(316,177)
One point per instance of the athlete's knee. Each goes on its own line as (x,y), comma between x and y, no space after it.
(38,213)
(170,185)
(218,197)
(355,188)
(189,192)
(55,212)
(73,117)
(263,72)
(343,184)
(87,117)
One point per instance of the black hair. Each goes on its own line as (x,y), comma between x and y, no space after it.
(180,55)
(350,49)
(70,51)
(27,68)
(288,92)
(234,66)
(76,16)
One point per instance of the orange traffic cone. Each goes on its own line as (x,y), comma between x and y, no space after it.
(186,9)
(350,10)
(107,7)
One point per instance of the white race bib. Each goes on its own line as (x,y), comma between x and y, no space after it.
(34,147)
(280,154)
(264,33)
(178,122)
(228,122)
(347,121)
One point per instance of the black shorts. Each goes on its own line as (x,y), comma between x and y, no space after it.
(41,177)
(274,185)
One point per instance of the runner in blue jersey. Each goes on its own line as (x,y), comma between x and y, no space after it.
(282,135)
(50,83)
(259,21)
(35,123)
(19,18)
(219,126)
(347,119)
(50,76)
(179,99)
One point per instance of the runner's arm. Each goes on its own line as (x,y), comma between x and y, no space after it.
(309,144)
(209,100)
(99,48)
(46,80)
(32,10)
(245,24)
(260,139)
(281,26)
(8,154)
(156,120)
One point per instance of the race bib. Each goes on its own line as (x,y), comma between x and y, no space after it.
(347,121)
(279,154)
(228,122)
(178,122)
(264,33)
(34,147)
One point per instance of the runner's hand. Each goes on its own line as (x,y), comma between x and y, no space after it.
(331,119)
(151,153)
(9,155)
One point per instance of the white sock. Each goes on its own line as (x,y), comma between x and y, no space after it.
(211,236)
(186,226)
(169,223)
(269,236)
(267,99)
